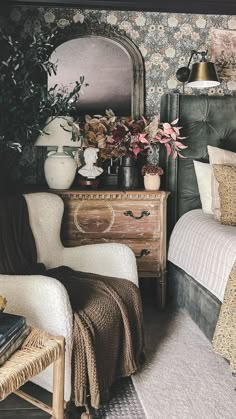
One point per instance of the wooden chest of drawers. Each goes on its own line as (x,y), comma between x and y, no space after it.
(135,218)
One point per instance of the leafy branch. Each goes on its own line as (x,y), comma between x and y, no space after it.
(25,103)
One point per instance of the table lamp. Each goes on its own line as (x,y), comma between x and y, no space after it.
(59,167)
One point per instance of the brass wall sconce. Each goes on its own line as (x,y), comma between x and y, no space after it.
(202,74)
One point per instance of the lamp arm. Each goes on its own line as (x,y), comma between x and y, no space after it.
(202,53)
(183,73)
(193,52)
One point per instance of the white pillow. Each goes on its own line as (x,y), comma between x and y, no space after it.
(219,156)
(203,174)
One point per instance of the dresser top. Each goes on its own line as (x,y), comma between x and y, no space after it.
(107,191)
(78,193)
(112,194)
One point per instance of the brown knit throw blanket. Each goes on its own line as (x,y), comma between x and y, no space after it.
(108,331)
(108,336)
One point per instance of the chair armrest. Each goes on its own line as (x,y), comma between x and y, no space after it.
(111,259)
(42,300)
(45,304)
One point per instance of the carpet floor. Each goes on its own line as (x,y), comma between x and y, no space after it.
(182,377)
(124,404)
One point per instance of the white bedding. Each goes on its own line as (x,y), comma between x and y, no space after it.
(204,249)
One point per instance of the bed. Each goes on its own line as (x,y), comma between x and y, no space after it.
(201,250)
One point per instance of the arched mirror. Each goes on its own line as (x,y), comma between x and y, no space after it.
(111,65)
(107,70)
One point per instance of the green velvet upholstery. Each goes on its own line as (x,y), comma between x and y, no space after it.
(205,120)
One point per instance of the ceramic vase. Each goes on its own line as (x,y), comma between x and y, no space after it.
(128,175)
(59,167)
(152,182)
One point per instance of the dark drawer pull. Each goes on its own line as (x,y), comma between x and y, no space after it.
(130,214)
(144,252)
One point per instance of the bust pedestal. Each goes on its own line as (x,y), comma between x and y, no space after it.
(88,183)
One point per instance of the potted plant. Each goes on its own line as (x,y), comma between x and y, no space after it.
(25,103)
(118,142)
(125,139)
(152,173)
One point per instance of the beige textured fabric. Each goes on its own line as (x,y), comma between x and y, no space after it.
(226,178)
(203,175)
(224,340)
(219,156)
(205,249)
(108,333)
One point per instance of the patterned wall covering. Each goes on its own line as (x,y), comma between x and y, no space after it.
(165,41)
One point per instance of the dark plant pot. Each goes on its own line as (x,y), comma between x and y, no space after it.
(109,177)
(128,175)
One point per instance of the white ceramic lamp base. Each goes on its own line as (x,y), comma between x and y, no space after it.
(59,169)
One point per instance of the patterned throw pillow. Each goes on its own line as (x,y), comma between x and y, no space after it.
(219,156)
(226,177)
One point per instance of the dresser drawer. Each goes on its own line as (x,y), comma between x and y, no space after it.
(147,256)
(147,252)
(109,219)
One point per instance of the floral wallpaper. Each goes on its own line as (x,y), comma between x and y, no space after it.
(165,41)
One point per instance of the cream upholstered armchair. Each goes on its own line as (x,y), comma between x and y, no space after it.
(44,300)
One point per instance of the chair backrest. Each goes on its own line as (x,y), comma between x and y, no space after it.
(45,214)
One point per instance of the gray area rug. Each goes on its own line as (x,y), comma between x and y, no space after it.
(124,403)
(182,377)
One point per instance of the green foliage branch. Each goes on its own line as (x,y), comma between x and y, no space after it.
(25,102)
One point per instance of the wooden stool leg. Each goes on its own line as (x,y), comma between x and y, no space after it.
(58,383)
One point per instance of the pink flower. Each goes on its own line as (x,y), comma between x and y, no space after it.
(169,135)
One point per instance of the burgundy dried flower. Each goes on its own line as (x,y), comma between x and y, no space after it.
(151,169)
(119,133)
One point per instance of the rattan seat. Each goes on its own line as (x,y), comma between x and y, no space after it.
(38,351)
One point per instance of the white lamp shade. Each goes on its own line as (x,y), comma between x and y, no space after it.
(57,132)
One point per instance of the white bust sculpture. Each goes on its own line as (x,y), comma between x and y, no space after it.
(89,170)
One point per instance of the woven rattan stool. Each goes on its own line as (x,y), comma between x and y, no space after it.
(38,351)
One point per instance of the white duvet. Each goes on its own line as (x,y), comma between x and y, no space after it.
(204,249)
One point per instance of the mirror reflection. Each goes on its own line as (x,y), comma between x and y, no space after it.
(107,69)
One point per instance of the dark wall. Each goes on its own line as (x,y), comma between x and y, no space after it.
(171,6)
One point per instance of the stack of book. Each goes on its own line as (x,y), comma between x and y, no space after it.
(13,331)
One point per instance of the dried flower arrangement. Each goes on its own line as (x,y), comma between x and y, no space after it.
(152,169)
(116,137)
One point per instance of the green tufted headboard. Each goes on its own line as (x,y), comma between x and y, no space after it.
(205,120)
